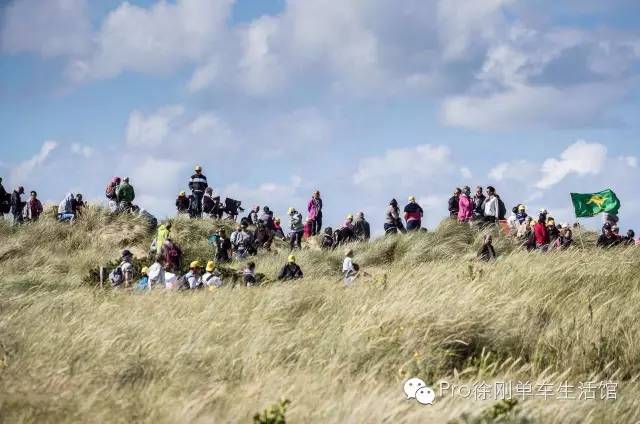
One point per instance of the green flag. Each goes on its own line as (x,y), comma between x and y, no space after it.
(591,204)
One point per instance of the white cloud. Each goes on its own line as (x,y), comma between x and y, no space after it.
(517,170)
(24,170)
(631,161)
(49,28)
(524,106)
(406,167)
(154,40)
(580,158)
(81,150)
(173,129)
(466,173)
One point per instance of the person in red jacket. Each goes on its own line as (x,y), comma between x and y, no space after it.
(540,233)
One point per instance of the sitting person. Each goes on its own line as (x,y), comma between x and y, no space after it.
(209,202)
(262,236)
(608,238)
(541,233)
(211,277)
(249,275)
(224,247)
(172,255)
(66,208)
(565,239)
(349,269)
(552,229)
(193,279)
(277,229)
(328,241)
(361,228)
(630,239)
(122,275)
(78,205)
(156,273)
(182,203)
(143,281)
(291,271)
(487,252)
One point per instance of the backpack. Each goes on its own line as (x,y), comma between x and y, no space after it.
(502,209)
(110,191)
(116,276)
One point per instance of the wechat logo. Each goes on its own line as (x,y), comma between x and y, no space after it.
(417,389)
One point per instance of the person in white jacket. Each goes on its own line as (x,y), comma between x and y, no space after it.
(491,206)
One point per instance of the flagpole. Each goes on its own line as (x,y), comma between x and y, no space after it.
(580,231)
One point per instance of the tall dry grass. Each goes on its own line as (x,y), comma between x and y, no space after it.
(74,353)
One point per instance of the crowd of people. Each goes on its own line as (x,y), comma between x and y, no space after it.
(260,228)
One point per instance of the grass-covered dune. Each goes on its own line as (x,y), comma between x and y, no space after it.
(71,352)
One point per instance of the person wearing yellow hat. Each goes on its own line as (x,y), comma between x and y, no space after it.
(521,215)
(552,229)
(413,214)
(182,203)
(198,184)
(291,270)
(211,278)
(193,278)
(297,229)
(143,281)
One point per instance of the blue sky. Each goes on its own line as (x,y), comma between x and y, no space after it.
(364,100)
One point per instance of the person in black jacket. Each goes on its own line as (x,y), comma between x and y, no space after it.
(478,203)
(17,205)
(454,203)
(198,184)
(5,200)
(291,271)
(361,228)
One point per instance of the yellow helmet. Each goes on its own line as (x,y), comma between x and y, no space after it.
(412,198)
(198,168)
(144,270)
(182,193)
(194,264)
(292,259)
(349,216)
(291,210)
(521,207)
(210,266)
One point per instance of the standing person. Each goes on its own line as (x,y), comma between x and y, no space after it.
(465,205)
(392,221)
(361,228)
(125,194)
(110,193)
(198,184)
(315,213)
(164,232)
(478,203)
(540,233)
(78,205)
(267,219)
(487,252)
(454,203)
(17,205)
(242,242)
(296,227)
(491,207)
(223,247)
(34,207)
(253,217)
(5,200)
(413,214)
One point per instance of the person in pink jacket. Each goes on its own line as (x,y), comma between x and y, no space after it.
(465,205)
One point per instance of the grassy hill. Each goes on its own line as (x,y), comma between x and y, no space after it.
(72,352)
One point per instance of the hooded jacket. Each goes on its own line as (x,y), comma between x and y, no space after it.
(465,208)
(125,192)
(66,206)
(297,225)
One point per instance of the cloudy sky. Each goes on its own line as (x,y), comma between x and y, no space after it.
(363,99)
